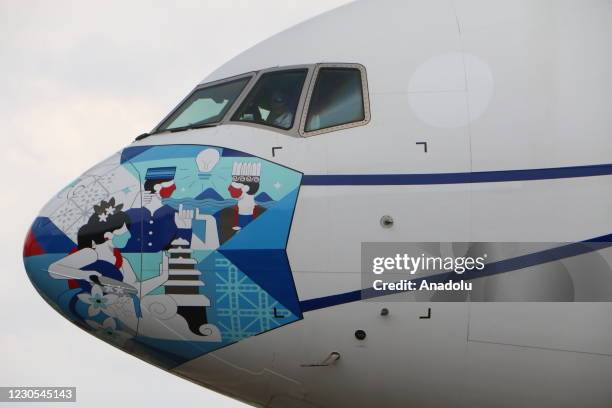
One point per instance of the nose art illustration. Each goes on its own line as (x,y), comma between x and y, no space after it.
(170,252)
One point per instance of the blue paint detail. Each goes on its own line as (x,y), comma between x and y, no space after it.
(50,238)
(329,301)
(54,290)
(242,307)
(491,269)
(162,226)
(270,270)
(131,152)
(456,178)
(263,198)
(137,307)
(232,291)
(169,353)
(69,301)
(539,258)
(37,267)
(160,173)
(104,268)
(165,154)
(209,194)
(234,153)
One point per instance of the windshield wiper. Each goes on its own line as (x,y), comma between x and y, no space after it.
(178,129)
(190,127)
(142,136)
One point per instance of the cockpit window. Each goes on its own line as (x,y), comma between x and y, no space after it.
(337,99)
(274,99)
(205,106)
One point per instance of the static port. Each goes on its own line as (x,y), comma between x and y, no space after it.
(386,221)
(360,335)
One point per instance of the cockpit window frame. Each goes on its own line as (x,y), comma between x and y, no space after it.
(294,129)
(301,113)
(313,82)
(238,100)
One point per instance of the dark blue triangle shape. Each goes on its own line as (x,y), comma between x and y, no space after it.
(268,268)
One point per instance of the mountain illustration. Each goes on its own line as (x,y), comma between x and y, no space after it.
(263,197)
(209,194)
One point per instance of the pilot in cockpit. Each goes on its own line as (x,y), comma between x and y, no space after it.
(281,114)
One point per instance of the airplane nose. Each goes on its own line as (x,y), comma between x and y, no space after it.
(169,276)
(44,244)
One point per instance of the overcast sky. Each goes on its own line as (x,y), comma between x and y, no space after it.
(79,80)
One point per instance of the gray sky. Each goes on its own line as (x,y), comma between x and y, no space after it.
(79,80)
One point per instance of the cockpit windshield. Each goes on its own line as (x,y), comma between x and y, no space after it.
(205,106)
(273,101)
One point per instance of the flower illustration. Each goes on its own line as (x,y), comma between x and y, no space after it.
(97,300)
(108,331)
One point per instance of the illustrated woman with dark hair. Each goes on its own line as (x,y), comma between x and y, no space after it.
(97,264)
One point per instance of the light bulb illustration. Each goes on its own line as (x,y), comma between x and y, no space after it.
(207,160)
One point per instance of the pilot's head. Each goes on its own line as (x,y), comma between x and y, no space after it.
(159,181)
(278,102)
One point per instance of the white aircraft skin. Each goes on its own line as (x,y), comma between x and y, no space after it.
(490,86)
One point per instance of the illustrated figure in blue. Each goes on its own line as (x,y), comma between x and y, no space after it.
(155,225)
(98,268)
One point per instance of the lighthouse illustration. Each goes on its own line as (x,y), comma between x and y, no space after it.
(183,286)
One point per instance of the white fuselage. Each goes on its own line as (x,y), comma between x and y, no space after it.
(489,86)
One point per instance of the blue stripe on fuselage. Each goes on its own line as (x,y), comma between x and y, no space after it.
(456,178)
(491,269)
(498,176)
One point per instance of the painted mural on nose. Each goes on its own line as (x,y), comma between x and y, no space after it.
(171,251)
